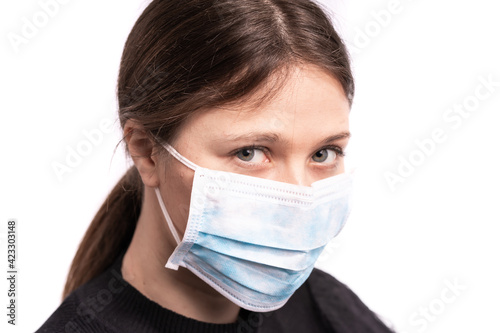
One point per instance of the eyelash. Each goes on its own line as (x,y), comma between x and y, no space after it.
(234,154)
(338,150)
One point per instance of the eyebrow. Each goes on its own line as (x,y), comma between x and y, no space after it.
(339,136)
(273,137)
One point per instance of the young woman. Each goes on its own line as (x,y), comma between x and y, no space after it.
(236,115)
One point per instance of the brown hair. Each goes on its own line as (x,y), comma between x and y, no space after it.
(185,56)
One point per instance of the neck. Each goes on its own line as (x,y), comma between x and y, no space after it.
(180,291)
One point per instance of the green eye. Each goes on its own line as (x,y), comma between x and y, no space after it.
(246,154)
(252,155)
(324,155)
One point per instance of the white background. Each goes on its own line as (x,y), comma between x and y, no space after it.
(405,244)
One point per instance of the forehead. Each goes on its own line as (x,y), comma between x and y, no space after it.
(311,103)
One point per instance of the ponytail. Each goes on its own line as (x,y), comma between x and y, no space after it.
(109,233)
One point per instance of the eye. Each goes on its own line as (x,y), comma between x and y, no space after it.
(253,155)
(325,156)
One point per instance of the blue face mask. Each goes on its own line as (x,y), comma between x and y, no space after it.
(256,240)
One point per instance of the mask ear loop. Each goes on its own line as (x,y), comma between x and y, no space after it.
(190,165)
(167,216)
(179,157)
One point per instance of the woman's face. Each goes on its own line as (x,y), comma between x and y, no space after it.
(297,137)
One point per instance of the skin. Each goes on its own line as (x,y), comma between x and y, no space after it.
(289,132)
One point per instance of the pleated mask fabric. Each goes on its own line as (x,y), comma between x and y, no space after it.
(256,240)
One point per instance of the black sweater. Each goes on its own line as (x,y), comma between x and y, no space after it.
(109,304)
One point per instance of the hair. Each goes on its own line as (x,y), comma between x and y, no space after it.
(182,57)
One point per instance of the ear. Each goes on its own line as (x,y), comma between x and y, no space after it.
(141,148)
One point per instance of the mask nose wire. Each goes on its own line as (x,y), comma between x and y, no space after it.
(191,166)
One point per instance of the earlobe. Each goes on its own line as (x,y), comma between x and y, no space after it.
(141,147)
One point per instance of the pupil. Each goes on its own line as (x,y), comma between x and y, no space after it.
(320,155)
(246,154)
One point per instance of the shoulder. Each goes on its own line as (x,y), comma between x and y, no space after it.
(60,320)
(340,308)
(71,317)
(79,312)
(68,318)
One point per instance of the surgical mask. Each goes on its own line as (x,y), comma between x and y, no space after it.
(256,240)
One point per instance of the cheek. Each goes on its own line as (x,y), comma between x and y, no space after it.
(178,183)
(341,167)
